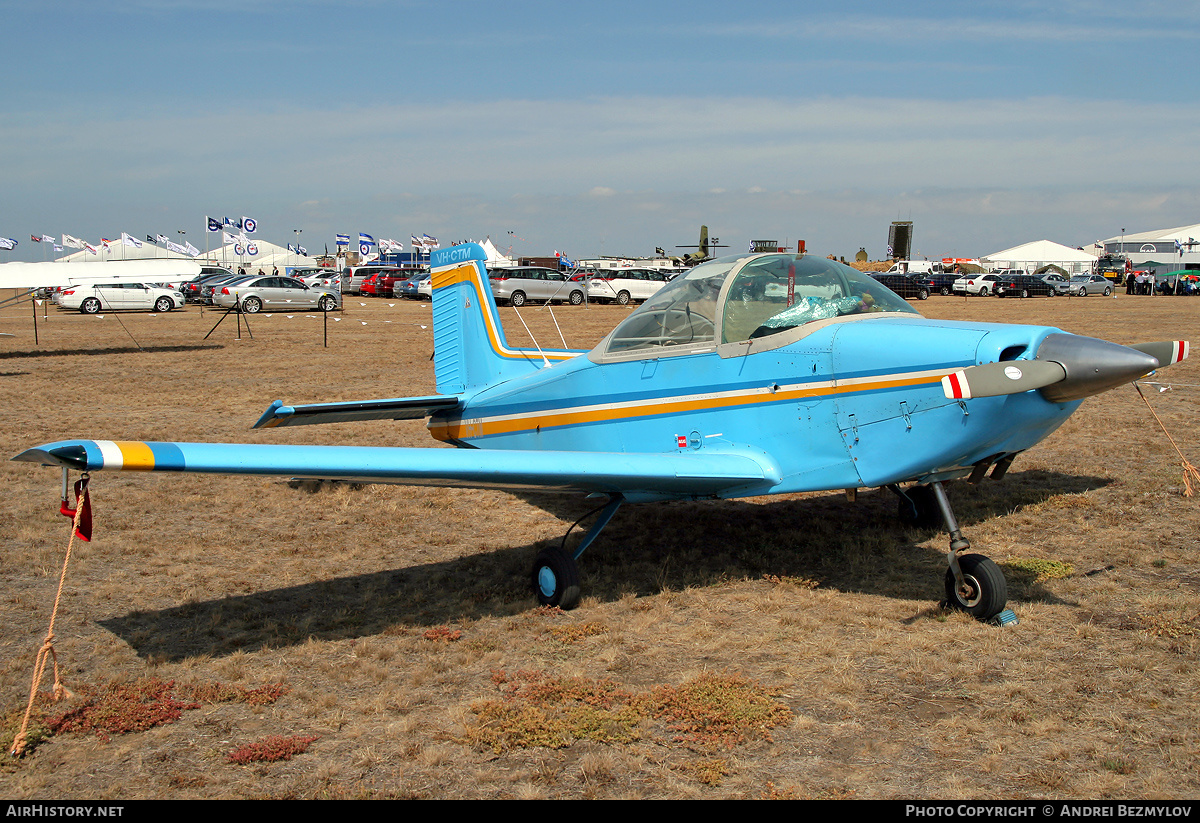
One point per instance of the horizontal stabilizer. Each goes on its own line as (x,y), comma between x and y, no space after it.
(1166,352)
(400,408)
(686,474)
(997,379)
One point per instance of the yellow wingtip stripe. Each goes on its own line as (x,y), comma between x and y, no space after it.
(135,455)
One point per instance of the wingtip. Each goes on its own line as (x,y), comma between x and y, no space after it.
(71,454)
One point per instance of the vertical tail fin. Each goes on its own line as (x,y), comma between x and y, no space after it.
(470,350)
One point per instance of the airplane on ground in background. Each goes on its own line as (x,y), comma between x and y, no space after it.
(753,374)
(703,250)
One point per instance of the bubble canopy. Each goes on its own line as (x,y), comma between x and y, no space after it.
(748,297)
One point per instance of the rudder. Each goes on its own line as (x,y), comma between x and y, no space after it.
(470,350)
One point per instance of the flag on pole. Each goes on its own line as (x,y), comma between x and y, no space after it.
(91,249)
(35,238)
(213,224)
(162,238)
(72,242)
(342,240)
(7,243)
(190,249)
(430,242)
(175,247)
(249,224)
(365,241)
(130,241)
(46,238)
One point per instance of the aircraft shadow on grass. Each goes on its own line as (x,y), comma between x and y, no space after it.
(111,350)
(854,547)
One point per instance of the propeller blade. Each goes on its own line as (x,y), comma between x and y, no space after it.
(996,379)
(1166,352)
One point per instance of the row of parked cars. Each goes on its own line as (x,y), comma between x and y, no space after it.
(1003,283)
(518,285)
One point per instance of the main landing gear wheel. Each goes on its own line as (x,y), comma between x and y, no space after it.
(984,591)
(556,579)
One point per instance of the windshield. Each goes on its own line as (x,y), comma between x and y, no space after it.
(751,296)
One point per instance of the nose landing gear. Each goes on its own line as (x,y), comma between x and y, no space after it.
(974,583)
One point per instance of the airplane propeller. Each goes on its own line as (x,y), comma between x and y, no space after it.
(1066,367)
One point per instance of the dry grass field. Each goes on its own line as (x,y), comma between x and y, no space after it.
(385,639)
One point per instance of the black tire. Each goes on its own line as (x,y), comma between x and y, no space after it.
(251,305)
(983,291)
(945,291)
(327,303)
(1083,292)
(576,298)
(1024,293)
(986,590)
(556,579)
(1107,292)
(623,298)
(517,300)
(923,294)
(163,305)
(90,306)
(919,508)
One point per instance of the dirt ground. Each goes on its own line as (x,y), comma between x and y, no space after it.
(409,654)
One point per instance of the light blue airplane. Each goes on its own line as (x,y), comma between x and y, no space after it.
(748,375)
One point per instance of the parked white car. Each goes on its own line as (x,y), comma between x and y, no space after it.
(624,285)
(981,284)
(92,299)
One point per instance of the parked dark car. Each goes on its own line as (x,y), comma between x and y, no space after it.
(943,282)
(1023,285)
(191,289)
(919,286)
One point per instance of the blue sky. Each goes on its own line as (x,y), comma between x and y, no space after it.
(609,128)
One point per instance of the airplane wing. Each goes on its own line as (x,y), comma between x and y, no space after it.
(31,275)
(399,408)
(686,474)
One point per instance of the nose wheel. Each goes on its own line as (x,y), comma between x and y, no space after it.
(974,583)
(979,589)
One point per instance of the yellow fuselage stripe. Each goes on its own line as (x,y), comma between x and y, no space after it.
(461,429)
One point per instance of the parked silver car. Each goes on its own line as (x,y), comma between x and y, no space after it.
(1056,281)
(1084,284)
(519,284)
(278,293)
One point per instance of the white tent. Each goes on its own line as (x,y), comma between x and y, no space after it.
(1035,255)
(265,256)
(494,257)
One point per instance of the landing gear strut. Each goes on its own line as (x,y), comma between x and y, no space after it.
(555,572)
(974,583)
